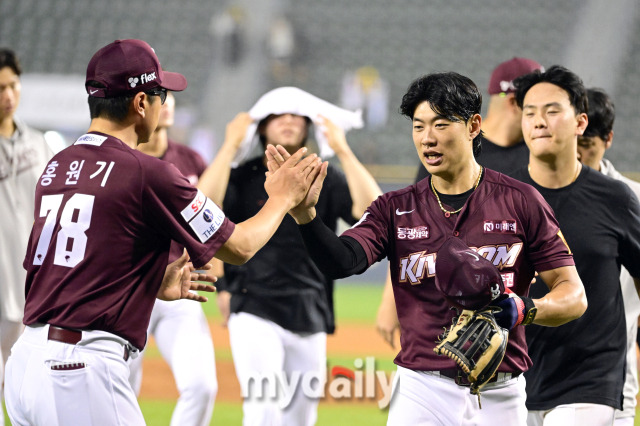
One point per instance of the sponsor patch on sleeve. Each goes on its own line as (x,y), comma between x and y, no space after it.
(203,216)
(194,206)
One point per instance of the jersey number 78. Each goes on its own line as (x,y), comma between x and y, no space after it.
(71,239)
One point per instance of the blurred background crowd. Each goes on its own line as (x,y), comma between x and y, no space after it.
(359,54)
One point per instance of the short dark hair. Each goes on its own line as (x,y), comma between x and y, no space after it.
(602,114)
(450,95)
(262,125)
(114,108)
(9,59)
(559,76)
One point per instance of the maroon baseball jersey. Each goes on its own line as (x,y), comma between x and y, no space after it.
(504,220)
(187,160)
(105,215)
(191,165)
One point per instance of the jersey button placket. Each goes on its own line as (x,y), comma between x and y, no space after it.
(456,233)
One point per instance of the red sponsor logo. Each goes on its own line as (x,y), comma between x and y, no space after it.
(198,202)
(499,227)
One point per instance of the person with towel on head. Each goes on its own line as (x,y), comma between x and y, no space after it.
(279,301)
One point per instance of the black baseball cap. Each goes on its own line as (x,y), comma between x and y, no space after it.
(127,67)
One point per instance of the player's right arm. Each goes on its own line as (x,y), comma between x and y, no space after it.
(566,299)
(286,188)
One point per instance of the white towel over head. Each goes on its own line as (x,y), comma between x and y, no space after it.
(291,100)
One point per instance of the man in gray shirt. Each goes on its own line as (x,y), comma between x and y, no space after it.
(23,156)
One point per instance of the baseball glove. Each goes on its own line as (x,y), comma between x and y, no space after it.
(477,344)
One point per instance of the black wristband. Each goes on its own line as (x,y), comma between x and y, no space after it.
(530,310)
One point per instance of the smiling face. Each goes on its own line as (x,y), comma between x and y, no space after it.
(444,146)
(550,125)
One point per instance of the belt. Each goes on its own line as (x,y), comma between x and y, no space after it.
(461,379)
(72,337)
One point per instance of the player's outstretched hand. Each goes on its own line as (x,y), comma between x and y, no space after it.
(292,177)
(181,280)
(304,211)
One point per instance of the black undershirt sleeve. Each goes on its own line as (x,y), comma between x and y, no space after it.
(337,257)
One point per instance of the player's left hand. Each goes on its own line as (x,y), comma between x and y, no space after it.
(181,280)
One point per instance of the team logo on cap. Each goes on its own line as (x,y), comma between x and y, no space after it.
(507,85)
(145,78)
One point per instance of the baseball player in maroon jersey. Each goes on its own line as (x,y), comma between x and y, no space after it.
(504,220)
(503,150)
(105,215)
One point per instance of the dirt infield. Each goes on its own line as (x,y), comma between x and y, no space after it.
(348,341)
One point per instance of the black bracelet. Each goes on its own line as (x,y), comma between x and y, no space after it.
(530,310)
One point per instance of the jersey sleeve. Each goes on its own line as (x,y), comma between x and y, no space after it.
(548,248)
(372,231)
(184,213)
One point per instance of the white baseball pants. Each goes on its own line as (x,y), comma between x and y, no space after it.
(182,335)
(264,352)
(573,415)
(425,398)
(51,383)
